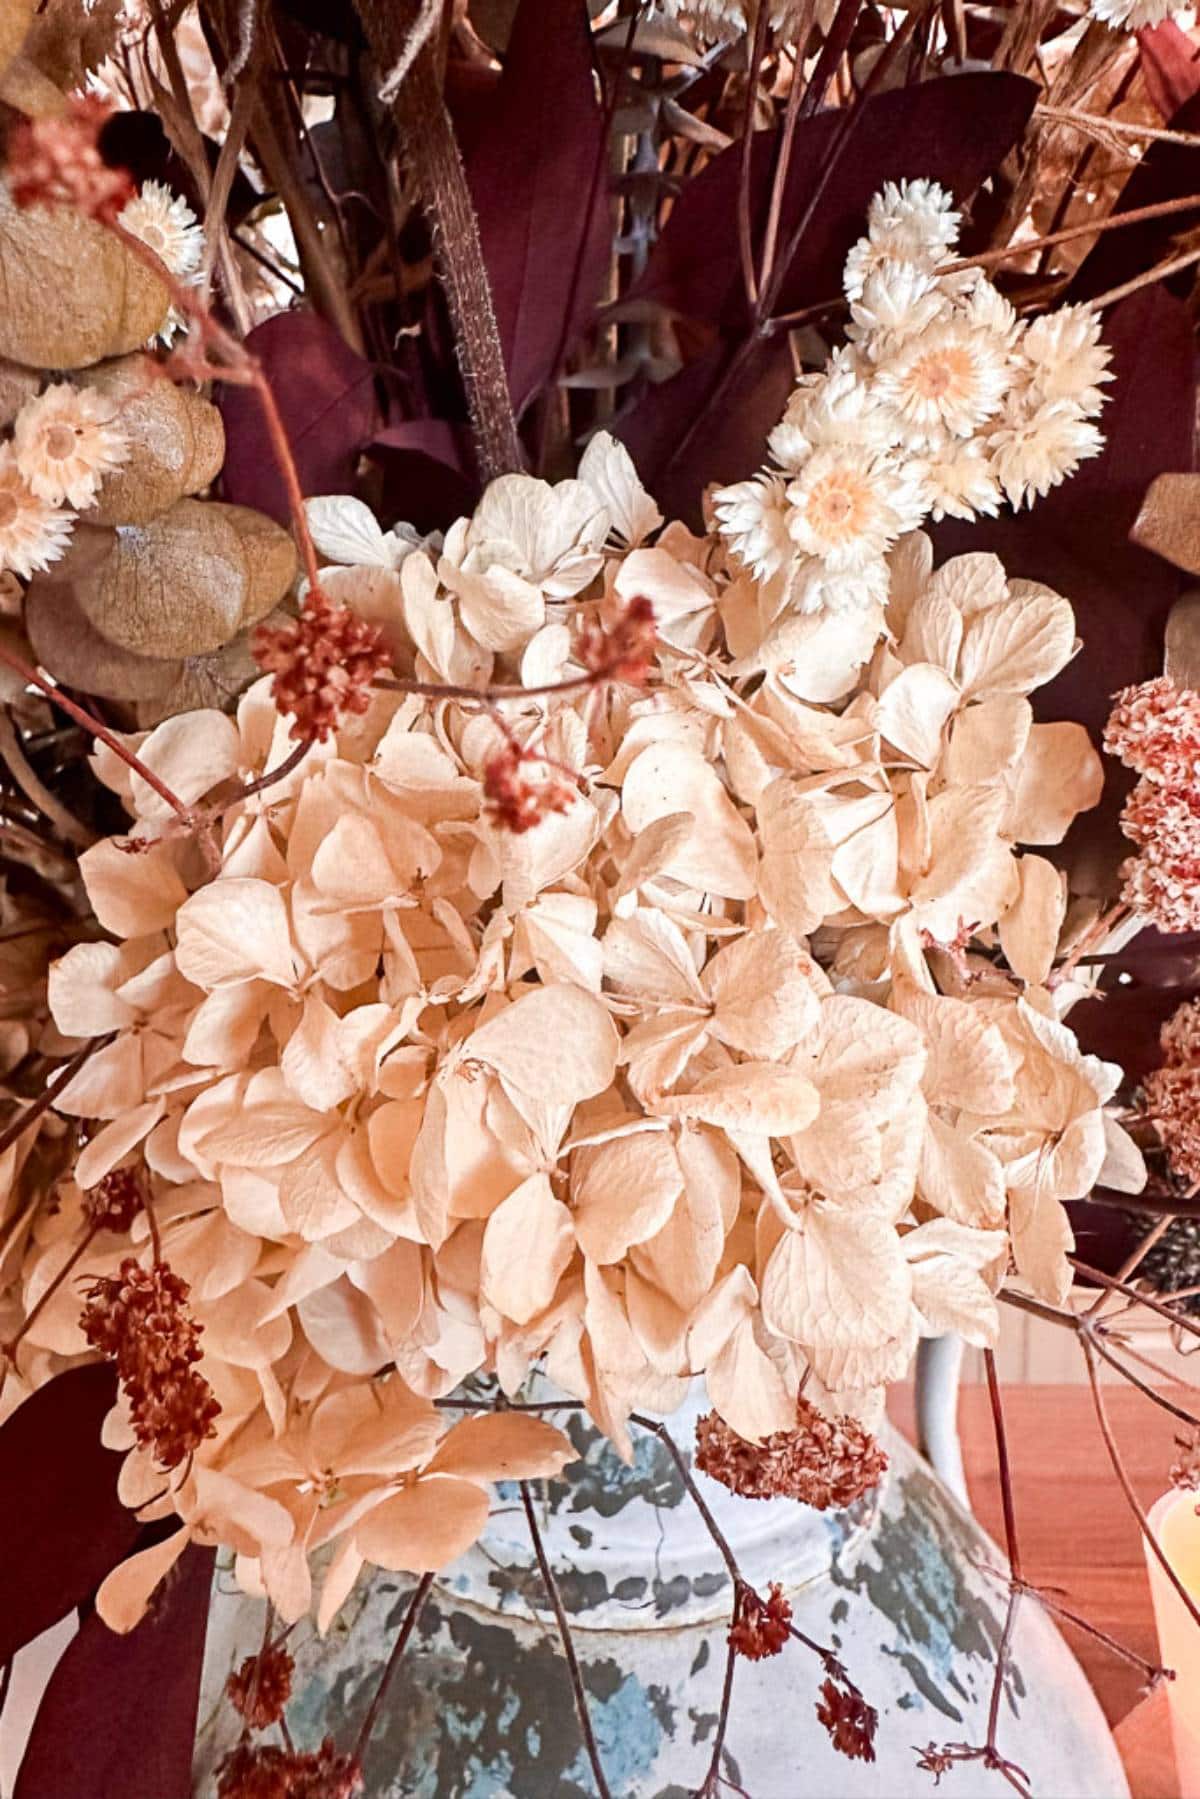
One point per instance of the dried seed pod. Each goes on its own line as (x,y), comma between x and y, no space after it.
(183,584)
(72,292)
(16,16)
(205,680)
(17,384)
(176,442)
(74,652)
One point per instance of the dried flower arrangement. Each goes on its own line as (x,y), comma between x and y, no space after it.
(542,895)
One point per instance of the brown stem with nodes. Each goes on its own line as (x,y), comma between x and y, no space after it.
(420,1594)
(428,142)
(564,1631)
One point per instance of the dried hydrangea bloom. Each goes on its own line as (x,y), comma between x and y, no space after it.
(138,1319)
(1172,1098)
(33,532)
(115,1201)
(761,1627)
(1154,728)
(268,1772)
(56,161)
(260,1689)
(1180,1036)
(824,1462)
(66,441)
(850,1721)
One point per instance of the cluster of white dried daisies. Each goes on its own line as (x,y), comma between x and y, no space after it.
(746,1061)
(718,20)
(68,437)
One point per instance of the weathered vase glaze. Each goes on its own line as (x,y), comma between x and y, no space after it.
(481,1707)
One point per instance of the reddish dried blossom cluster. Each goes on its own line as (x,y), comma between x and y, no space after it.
(622,651)
(1154,729)
(761,1626)
(1172,1093)
(138,1319)
(56,161)
(825,1462)
(515,801)
(324,664)
(114,1202)
(267,1772)
(1185,1469)
(850,1721)
(260,1689)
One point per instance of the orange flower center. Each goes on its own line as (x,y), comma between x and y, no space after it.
(60,442)
(9,510)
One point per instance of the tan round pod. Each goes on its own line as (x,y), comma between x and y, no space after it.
(176,441)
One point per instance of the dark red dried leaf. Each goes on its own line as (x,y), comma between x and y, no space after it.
(427,478)
(118,1719)
(1166,172)
(62,1526)
(956,130)
(537,174)
(1170,66)
(326,395)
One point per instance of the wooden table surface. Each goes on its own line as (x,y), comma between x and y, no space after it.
(1078,1535)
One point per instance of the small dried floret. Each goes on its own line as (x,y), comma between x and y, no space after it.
(324,665)
(56,161)
(850,1721)
(936,1761)
(268,1772)
(514,801)
(137,1318)
(624,650)
(1154,728)
(1180,1036)
(260,1689)
(825,1462)
(1185,1469)
(33,533)
(115,1201)
(1173,1101)
(1165,890)
(66,441)
(761,1628)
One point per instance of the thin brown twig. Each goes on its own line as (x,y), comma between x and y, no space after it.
(420,1593)
(61,1078)
(564,1630)
(12,751)
(1146,1299)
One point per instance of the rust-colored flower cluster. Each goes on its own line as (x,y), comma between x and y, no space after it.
(513,798)
(138,1318)
(1154,729)
(115,1201)
(56,161)
(1172,1093)
(624,650)
(268,1772)
(324,663)
(1185,1469)
(260,1689)
(825,1462)
(850,1721)
(761,1626)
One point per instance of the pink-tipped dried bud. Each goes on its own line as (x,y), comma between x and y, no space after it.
(512,798)
(1164,888)
(850,1721)
(761,1627)
(623,650)
(267,1772)
(936,1760)
(260,1689)
(56,161)
(114,1202)
(1180,1036)
(137,1318)
(1172,1100)
(1154,728)
(825,1462)
(324,665)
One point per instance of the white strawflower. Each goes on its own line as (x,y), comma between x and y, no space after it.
(168,226)
(1133,15)
(919,211)
(719,20)
(66,441)
(985,307)
(753,517)
(1032,451)
(1065,358)
(33,533)
(960,480)
(839,406)
(816,587)
(897,301)
(950,377)
(848,505)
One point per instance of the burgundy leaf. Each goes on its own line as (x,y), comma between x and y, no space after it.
(326,396)
(426,469)
(956,130)
(62,1526)
(537,174)
(1170,66)
(708,423)
(1166,172)
(118,1719)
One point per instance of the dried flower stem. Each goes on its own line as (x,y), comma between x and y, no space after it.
(1159,272)
(564,1631)
(50,1092)
(1119,1286)
(288,766)
(69,828)
(8,1350)
(708,1789)
(420,1594)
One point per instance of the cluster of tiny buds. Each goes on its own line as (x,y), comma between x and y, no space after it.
(1171,1093)
(1154,729)
(1185,1469)
(260,1689)
(824,1462)
(115,1201)
(761,1626)
(56,161)
(850,1721)
(138,1319)
(264,1771)
(622,651)
(515,800)
(324,662)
